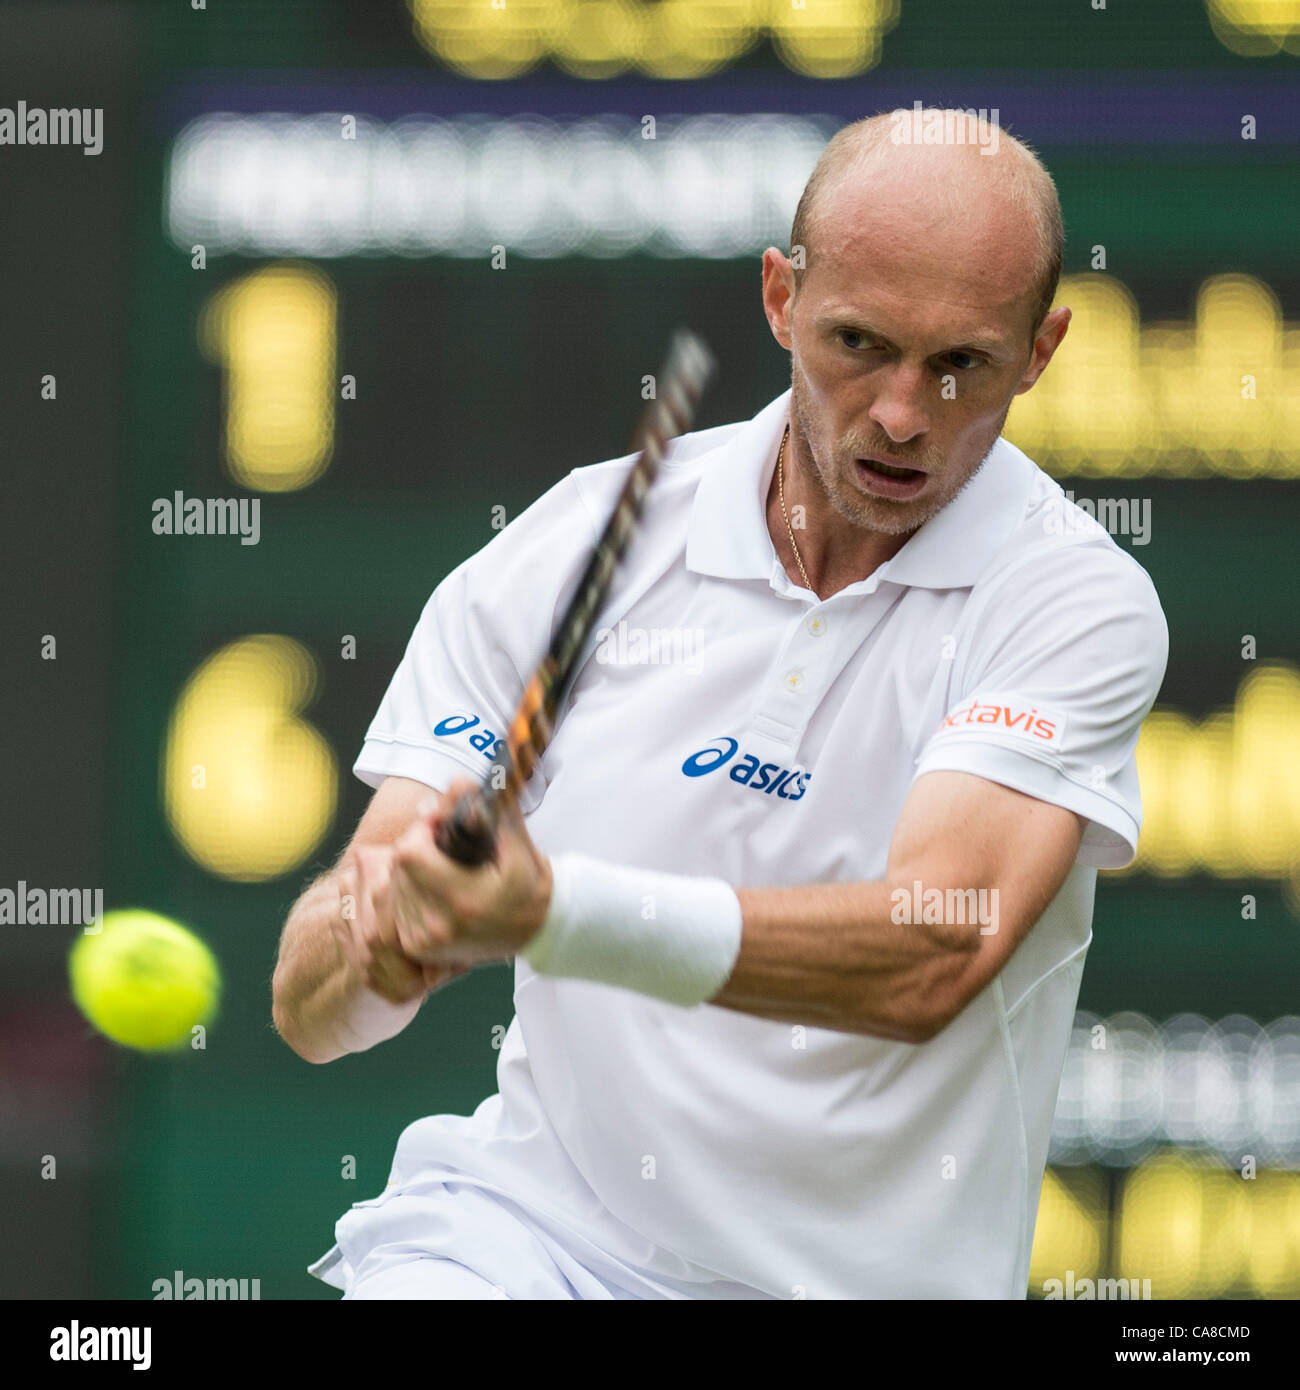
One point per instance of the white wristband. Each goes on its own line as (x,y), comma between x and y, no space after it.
(665,935)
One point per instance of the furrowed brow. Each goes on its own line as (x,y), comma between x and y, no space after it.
(992,347)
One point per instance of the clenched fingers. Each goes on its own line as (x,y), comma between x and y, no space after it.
(366,932)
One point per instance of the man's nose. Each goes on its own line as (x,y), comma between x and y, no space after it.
(902,406)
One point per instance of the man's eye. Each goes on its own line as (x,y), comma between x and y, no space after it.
(853,339)
(963,361)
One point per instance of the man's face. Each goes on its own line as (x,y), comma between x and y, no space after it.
(906,353)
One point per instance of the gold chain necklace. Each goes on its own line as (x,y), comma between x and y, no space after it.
(780,482)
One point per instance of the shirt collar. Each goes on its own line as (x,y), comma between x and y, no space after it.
(727,534)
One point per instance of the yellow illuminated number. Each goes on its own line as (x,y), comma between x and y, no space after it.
(1256,28)
(831,38)
(483,39)
(1274,1252)
(1190,1228)
(249,788)
(499,39)
(1217,395)
(1069,1233)
(274,333)
(1222,796)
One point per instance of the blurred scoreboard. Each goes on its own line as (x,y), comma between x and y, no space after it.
(397,287)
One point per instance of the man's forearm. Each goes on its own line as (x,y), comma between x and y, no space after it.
(320,1006)
(972,867)
(830,955)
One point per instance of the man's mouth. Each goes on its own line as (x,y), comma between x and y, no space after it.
(890,479)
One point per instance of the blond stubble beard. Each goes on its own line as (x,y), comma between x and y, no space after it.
(880,514)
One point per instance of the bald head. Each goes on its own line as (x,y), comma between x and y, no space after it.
(876,178)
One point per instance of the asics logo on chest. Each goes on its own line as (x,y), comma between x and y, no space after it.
(787,783)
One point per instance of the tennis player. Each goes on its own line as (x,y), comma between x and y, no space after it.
(800,896)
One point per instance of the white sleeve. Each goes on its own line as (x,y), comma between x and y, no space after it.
(478,639)
(1061,663)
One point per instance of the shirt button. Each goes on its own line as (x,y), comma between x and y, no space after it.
(794,680)
(816,625)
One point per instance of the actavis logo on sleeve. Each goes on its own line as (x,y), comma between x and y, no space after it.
(1009,716)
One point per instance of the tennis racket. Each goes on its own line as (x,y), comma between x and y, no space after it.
(468,835)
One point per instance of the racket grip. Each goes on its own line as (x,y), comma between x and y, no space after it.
(468,835)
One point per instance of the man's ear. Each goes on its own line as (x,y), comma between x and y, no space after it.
(1046,341)
(778,295)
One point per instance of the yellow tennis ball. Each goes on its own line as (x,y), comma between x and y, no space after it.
(144,981)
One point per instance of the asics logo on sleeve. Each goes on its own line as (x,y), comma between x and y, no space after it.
(485,741)
(749,771)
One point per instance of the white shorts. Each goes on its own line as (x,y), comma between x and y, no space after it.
(453,1241)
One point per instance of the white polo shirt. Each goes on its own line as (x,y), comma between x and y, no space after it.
(728,722)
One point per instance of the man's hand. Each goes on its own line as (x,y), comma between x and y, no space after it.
(412,918)
(367,938)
